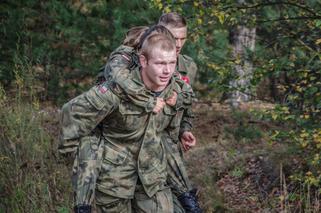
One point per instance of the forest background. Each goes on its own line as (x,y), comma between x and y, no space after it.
(262,51)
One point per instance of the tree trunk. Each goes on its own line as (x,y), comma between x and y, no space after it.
(243,39)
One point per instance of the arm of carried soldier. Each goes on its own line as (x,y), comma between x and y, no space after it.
(119,69)
(81,115)
(185,135)
(135,91)
(118,59)
(184,96)
(186,121)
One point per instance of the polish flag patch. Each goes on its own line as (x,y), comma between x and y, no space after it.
(103,89)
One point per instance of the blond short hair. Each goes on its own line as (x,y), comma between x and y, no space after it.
(172,19)
(157,41)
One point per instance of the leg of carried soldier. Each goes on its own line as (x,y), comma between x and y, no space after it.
(85,172)
(184,197)
(177,175)
(178,208)
(161,202)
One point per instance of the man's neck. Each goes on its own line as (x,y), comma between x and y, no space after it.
(150,86)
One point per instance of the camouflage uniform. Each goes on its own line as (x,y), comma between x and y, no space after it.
(84,176)
(178,178)
(87,167)
(187,67)
(132,145)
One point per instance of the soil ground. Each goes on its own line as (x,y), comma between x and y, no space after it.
(233,165)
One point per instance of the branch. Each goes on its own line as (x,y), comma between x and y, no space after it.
(275,3)
(291,18)
(251,95)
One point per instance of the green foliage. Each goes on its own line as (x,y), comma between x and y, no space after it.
(30,180)
(68,41)
(238,172)
(245,131)
(287,56)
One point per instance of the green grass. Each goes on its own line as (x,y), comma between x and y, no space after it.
(31,180)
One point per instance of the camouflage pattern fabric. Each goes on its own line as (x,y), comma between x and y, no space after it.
(122,57)
(187,67)
(161,202)
(118,68)
(141,97)
(178,208)
(86,168)
(107,203)
(132,144)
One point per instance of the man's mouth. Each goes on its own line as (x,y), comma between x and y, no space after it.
(164,79)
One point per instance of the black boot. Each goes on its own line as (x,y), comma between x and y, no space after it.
(189,202)
(82,209)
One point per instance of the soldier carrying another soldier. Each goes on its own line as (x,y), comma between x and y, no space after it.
(134,160)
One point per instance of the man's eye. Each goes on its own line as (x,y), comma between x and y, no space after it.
(160,63)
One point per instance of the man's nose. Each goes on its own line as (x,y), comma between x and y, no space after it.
(167,68)
(178,43)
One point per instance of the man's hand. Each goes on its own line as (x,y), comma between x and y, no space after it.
(188,140)
(172,100)
(160,103)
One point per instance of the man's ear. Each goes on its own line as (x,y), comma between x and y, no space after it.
(142,61)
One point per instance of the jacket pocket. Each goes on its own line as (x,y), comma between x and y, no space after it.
(114,154)
(130,109)
(131,117)
(95,98)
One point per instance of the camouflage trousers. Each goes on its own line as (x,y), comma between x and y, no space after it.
(161,202)
(86,169)
(177,179)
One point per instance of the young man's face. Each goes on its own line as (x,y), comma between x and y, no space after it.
(180,35)
(158,68)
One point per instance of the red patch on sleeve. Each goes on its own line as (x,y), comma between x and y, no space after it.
(186,79)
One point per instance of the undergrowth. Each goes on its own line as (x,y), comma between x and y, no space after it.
(31,177)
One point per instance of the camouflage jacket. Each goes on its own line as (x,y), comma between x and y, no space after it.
(132,146)
(187,67)
(125,56)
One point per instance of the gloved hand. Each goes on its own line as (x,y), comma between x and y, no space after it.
(189,202)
